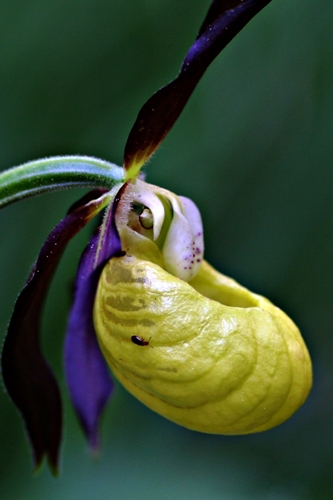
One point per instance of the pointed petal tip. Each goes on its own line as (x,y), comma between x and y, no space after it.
(94,445)
(94,452)
(37,466)
(53,461)
(52,464)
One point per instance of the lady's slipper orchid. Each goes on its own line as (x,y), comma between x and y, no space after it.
(224,360)
(187,341)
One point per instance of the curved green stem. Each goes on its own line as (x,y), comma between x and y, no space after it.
(55,173)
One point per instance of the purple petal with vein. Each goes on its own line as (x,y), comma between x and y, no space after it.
(224,20)
(88,379)
(27,376)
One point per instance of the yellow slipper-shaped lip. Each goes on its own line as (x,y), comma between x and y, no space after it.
(209,354)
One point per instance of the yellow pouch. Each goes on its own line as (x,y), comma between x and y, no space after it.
(208,354)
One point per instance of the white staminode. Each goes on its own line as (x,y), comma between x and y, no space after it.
(151,201)
(183,246)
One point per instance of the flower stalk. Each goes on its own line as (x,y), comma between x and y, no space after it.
(57,173)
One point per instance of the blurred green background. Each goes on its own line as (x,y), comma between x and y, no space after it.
(253,148)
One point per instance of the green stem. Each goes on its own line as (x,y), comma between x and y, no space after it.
(55,173)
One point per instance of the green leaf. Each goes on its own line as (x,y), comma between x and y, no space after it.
(56,173)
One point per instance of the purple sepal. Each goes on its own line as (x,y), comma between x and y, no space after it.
(26,375)
(224,20)
(88,379)
(216,9)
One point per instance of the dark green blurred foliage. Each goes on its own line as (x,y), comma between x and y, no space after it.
(253,149)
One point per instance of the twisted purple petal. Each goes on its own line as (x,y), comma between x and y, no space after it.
(88,379)
(224,20)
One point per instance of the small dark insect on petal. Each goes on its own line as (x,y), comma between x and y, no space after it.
(139,341)
(224,20)
(26,375)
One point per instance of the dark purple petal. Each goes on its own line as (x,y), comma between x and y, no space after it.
(87,375)
(27,376)
(217,8)
(224,20)
(109,240)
